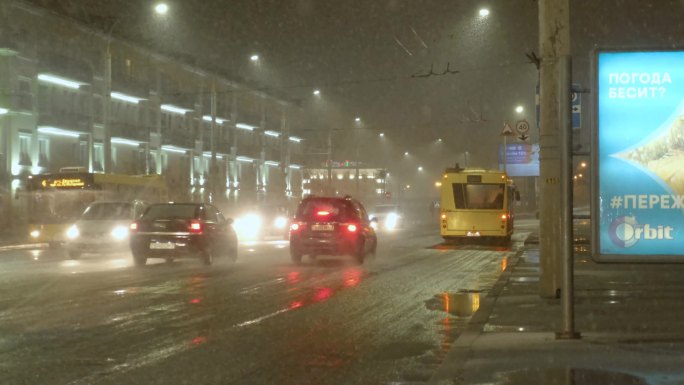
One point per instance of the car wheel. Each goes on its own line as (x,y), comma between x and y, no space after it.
(139,260)
(296,256)
(360,254)
(208,257)
(74,254)
(233,253)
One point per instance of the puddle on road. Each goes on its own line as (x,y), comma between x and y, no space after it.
(565,376)
(463,303)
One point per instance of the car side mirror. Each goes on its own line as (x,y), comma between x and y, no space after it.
(374,220)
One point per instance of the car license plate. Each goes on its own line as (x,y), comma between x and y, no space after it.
(162,246)
(322,227)
(473,233)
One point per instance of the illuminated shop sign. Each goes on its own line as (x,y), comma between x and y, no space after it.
(639,145)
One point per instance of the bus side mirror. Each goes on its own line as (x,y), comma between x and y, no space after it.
(517,195)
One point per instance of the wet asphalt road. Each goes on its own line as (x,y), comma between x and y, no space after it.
(262,320)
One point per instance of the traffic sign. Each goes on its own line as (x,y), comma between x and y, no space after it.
(507,130)
(523,127)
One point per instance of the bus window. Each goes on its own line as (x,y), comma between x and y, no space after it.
(479,196)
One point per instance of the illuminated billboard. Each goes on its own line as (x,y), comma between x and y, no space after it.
(639,156)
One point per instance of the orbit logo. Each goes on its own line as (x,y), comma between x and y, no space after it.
(625,232)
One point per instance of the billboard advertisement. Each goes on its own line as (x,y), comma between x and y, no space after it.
(639,156)
(522,159)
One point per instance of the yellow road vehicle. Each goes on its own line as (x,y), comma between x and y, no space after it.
(476,203)
(55,201)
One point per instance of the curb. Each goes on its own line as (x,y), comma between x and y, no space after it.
(24,246)
(460,352)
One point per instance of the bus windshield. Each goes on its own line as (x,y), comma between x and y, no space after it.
(51,207)
(479,196)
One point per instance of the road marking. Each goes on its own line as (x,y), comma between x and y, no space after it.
(265,317)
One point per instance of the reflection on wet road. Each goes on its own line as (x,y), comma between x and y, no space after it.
(261,320)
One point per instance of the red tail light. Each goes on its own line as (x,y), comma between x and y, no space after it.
(352,228)
(195,227)
(323,213)
(134,227)
(296,226)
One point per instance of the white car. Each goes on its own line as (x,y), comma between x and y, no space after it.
(102,228)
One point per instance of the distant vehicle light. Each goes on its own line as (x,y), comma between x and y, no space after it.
(443,216)
(248,226)
(120,233)
(35,234)
(280,222)
(133,226)
(294,226)
(391,221)
(323,213)
(73,232)
(504,216)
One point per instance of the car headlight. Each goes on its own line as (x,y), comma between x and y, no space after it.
(391,221)
(35,233)
(120,233)
(248,225)
(73,232)
(280,222)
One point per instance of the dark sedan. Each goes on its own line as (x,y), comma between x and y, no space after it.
(175,230)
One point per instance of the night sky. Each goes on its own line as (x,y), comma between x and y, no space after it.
(363,56)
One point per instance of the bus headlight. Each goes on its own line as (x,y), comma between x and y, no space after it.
(35,233)
(120,233)
(280,222)
(73,232)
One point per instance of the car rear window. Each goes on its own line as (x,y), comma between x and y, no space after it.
(174,211)
(325,210)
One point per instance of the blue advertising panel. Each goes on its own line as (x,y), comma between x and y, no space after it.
(522,159)
(639,146)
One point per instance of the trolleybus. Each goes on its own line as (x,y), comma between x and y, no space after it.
(476,203)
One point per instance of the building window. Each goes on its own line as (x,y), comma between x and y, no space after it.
(83,154)
(25,150)
(24,95)
(98,157)
(43,152)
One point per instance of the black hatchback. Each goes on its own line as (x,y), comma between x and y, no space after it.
(175,230)
(331,226)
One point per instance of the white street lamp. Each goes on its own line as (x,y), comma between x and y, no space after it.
(254,58)
(317,92)
(484,12)
(519,109)
(357,119)
(161,9)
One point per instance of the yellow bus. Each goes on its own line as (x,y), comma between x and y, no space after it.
(476,203)
(56,200)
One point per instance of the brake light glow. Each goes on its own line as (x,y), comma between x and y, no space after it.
(195,227)
(296,226)
(133,226)
(323,213)
(352,228)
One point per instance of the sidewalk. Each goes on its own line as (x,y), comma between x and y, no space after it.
(631,318)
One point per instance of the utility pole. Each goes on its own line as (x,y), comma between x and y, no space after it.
(329,162)
(554,44)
